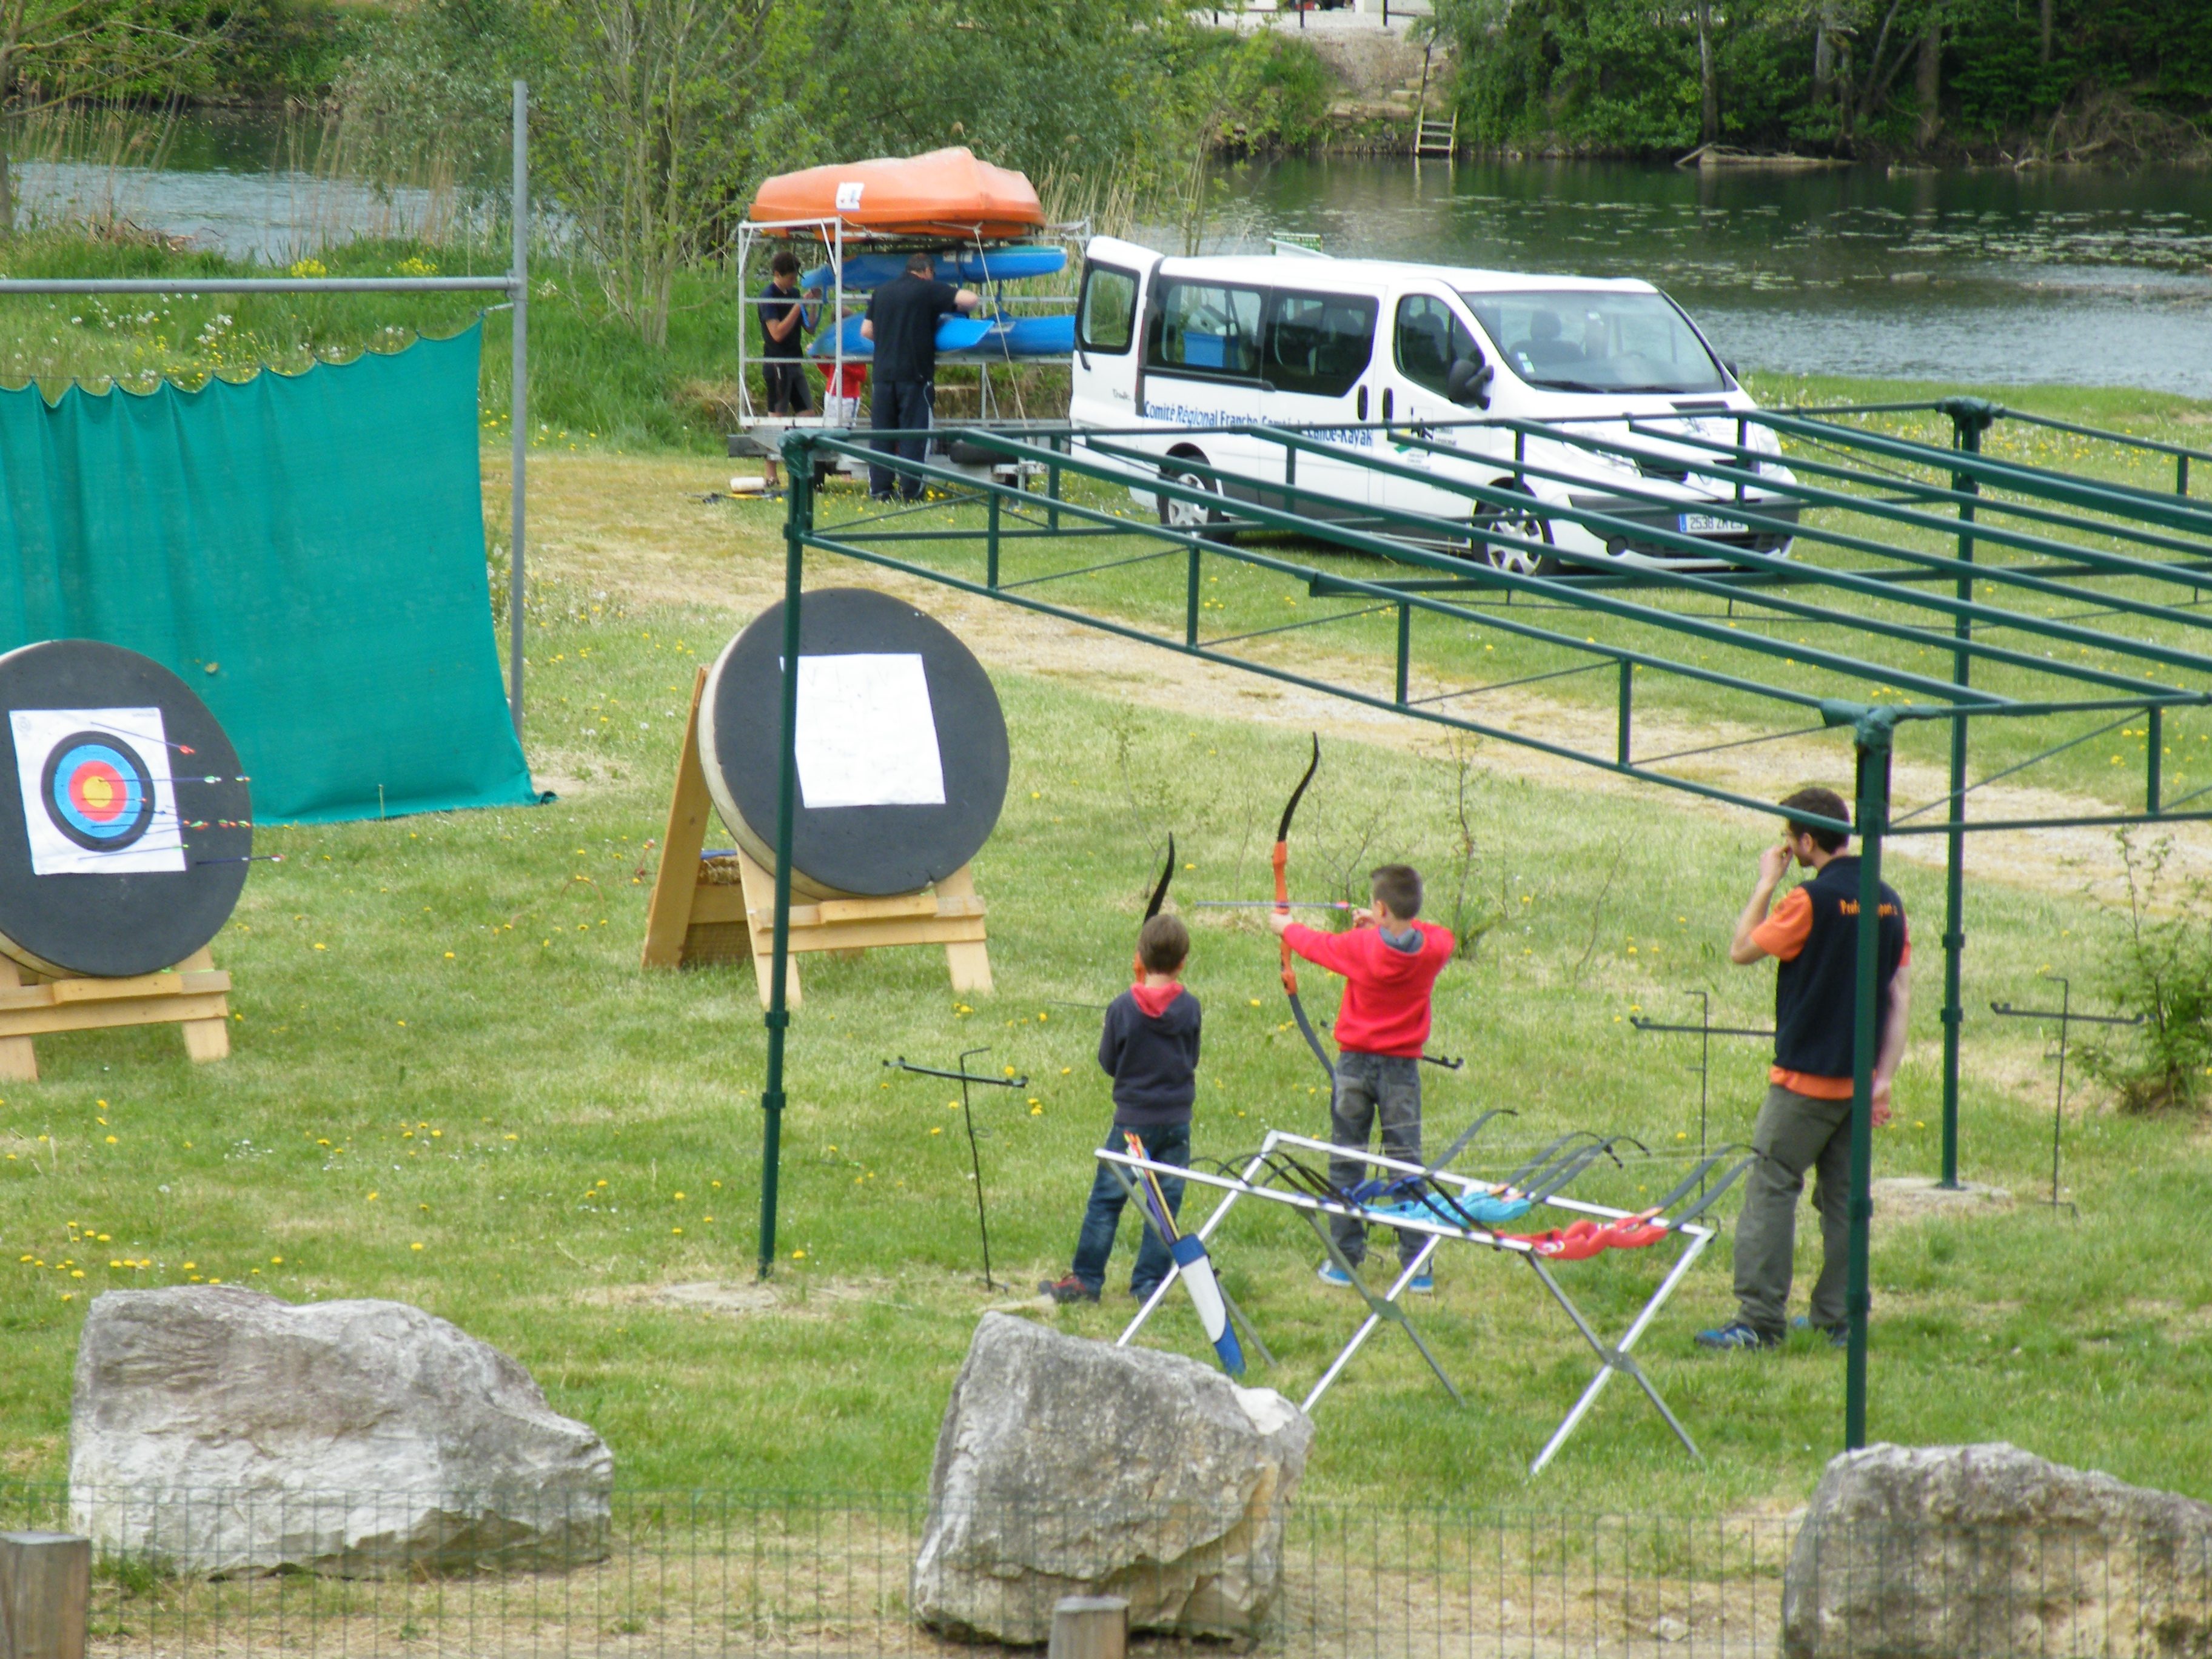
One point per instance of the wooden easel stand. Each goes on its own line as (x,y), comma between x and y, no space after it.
(194,995)
(698,915)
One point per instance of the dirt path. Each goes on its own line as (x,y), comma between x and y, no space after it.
(636,527)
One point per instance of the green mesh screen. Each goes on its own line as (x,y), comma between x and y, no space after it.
(307,551)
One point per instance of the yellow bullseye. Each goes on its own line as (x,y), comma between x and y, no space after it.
(99,795)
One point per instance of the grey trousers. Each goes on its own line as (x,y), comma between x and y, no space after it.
(1369,1086)
(1795,1133)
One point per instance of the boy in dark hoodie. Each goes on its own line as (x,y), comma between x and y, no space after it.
(1149,1047)
(1389,961)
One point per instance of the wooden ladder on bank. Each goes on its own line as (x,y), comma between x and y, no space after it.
(1433,140)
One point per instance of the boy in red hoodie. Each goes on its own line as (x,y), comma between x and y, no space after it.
(1389,961)
(1149,1047)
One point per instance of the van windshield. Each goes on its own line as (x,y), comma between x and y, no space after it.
(1597,341)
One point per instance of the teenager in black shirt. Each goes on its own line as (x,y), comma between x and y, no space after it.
(784,323)
(902,322)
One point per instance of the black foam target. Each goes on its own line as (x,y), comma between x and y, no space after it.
(882,682)
(125,827)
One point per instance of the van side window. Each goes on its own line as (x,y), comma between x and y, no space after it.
(1204,328)
(1430,336)
(1318,344)
(1107,319)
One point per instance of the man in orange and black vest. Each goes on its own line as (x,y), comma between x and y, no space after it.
(1806,1120)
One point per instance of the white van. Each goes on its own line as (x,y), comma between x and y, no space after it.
(1165,343)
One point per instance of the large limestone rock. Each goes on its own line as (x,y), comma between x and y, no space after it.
(1068,1467)
(219,1431)
(1962,1552)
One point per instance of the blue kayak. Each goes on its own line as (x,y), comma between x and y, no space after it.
(1042,336)
(953,334)
(866,271)
(1009,265)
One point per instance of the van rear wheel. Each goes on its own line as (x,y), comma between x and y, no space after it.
(1525,523)
(1192,515)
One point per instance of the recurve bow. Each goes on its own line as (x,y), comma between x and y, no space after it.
(1282,857)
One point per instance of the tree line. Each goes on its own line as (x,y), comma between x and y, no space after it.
(2012,81)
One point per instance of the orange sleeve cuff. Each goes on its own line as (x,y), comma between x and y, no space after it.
(1783,934)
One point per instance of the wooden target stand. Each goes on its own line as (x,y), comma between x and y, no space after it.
(194,995)
(723,908)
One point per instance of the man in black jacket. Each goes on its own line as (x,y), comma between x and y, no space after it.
(1149,1047)
(901,324)
(1805,1122)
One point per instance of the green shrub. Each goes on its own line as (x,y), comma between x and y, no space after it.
(2161,968)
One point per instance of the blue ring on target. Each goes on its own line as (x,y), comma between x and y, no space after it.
(97,791)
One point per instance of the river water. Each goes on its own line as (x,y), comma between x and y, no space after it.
(1984,278)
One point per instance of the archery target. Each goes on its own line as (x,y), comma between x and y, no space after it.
(124,848)
(900,747)
(98,796)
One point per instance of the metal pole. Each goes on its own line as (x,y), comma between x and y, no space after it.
(519,397)
(1872,814)
(798,520)
(1968,416)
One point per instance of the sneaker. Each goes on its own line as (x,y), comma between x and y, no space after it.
(1422,1283)
(1330,1273)
(1737,1335)
(1070,1289)
(1838,1336)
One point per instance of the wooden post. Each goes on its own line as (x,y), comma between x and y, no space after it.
(45,1595)
(205,1039)
(690,809)
(1089,1628)
(19,1060)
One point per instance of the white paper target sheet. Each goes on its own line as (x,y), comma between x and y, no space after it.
(867,736)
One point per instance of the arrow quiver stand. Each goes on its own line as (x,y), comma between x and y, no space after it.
(722,907)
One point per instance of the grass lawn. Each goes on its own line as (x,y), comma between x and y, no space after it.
(453,1085)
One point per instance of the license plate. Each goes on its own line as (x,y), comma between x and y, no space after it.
(1704,523)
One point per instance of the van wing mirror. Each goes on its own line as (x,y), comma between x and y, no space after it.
(1468,383)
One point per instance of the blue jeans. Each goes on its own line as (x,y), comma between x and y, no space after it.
(900,405)
(1164,1143)
(1369,1086)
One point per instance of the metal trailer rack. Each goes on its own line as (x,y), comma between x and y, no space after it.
(759,433)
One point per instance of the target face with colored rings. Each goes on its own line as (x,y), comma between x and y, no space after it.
(98,790)
(125,817)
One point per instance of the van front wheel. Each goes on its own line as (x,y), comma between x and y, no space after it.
(1177,514)
(1524,522)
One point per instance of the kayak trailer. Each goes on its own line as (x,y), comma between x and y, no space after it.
(855,225)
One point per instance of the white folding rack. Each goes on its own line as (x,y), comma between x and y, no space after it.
(1614,1356)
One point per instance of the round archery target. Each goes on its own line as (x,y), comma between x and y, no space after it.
(98,790)
(901,745)
(125,826)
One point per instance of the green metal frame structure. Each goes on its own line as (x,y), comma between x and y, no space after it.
(2138,557)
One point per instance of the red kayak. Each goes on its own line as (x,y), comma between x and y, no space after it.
(947,193)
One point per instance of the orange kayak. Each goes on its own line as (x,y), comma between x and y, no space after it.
(947,193)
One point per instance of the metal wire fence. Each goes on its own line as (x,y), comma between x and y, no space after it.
(697,1573)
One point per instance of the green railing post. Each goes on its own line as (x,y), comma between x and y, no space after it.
(798,524)
(2181,475)
(2153,772)
(1404,648)
(1872,818)
(1621,733)
(991,544)
(1052,486)
(1969,417)
(1190,600)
